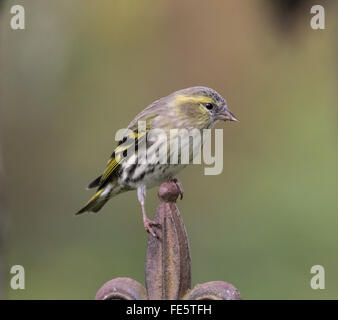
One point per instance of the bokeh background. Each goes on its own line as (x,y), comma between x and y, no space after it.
(83,69)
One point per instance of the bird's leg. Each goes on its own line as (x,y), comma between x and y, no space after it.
(178,185)
(148,224)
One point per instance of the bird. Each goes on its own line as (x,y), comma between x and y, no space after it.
(192,108)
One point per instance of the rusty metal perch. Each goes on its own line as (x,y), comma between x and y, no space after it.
(168,266)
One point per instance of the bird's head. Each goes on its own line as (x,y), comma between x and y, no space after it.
(201,107)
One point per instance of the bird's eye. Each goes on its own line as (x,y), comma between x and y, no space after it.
(209,106)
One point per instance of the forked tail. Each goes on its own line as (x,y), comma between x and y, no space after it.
(95,203)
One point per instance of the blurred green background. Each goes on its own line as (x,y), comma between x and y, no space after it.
(83,69)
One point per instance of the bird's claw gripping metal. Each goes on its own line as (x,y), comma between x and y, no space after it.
(149,224)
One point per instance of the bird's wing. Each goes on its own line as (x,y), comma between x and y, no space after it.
(132,139)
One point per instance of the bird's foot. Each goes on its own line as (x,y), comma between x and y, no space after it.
(149,224)
(178,185)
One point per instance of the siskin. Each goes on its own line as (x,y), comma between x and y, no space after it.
(192,108)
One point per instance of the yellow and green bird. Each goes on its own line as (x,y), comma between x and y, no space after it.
(192,108)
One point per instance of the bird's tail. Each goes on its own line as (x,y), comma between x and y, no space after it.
(95,203)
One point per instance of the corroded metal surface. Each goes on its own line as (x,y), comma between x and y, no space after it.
(168,271)
(168,267)
(121,289)
(213,290)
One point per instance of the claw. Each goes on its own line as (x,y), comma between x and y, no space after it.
(149,224)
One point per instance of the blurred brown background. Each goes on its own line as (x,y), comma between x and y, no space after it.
(83,69)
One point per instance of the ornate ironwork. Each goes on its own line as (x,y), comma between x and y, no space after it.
(168,265)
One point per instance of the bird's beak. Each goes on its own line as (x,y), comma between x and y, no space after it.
(225,115)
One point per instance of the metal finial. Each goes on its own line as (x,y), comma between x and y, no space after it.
(168,265)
